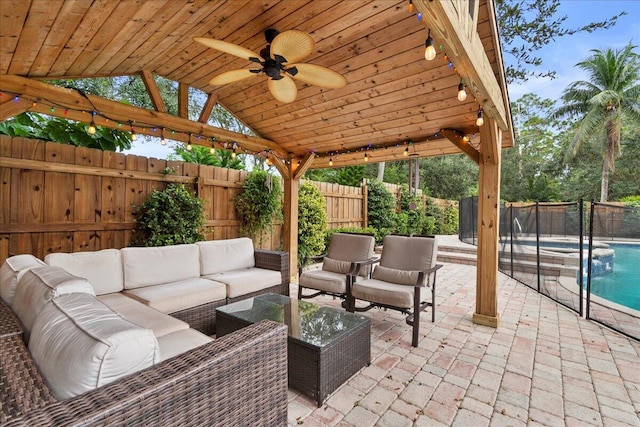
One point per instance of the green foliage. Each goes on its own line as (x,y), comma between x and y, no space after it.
(450,220)
(169,217)
(603,104)
(329,233)
(449,177)
(435,219)
(312,221)
(202,156)
(350,175)
(631,200)
(528,26)
(411,208)
(381,208)
(37,126)
(259,203)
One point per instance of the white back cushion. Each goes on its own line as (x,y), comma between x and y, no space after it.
(11,271)
(80,344)
(40,285)
(103,269)
(159,265)
(217,256)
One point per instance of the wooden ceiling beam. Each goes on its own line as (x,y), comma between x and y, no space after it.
(11,107)
(303,165)
(80,108)
(212,100)
(153,91)
(447,26)
(462,142)
(183,100)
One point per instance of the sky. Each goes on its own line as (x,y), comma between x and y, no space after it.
(560,55)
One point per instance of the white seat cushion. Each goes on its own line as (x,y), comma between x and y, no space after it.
(172,297)
(103,269)
(217,256)
(11,271)
(180,342)
(323,280)
(142,315)
(246,281)
(40,285)
(159,265)
(80,344)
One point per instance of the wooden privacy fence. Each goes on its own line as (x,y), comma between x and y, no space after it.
(61,198)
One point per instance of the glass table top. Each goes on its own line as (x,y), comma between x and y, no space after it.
(308,322)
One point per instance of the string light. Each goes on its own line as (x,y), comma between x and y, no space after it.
(189,146)
(91,130)
(134,136)
(410,6)
(163,142)
(462,93)
(430,49)
(480,119)
(366,157)
(406,152)
(330,161)
(233,152)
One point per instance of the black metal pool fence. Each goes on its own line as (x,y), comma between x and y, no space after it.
(558,248)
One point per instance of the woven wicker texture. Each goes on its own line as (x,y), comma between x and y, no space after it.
(9,324)
(240,379)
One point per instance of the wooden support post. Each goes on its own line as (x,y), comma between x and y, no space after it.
(488,221)
(183,100)
(291,185)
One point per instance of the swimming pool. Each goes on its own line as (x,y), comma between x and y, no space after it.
(622,284)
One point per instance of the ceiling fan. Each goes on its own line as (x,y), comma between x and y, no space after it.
(278,61)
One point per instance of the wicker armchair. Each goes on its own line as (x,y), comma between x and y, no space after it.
(239,379)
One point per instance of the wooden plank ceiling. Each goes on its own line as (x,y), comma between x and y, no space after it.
(393,94)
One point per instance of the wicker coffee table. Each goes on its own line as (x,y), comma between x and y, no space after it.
(326,346)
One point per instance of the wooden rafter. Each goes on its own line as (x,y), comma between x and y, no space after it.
(183,100)
(302,165)
(208,108)
(12,107)
(153,91)
(462,142)
(79,107)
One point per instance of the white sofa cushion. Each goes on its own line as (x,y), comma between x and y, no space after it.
(11,271)
(246,281)
(142,315)
(171,297)
(103,269)
(159,265)
(217,256)
(80,344)
(40,285)
(180,342)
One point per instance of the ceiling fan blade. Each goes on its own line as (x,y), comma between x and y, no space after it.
(318,76)
(232,76)
(284,90)
(227,47)
(293,45)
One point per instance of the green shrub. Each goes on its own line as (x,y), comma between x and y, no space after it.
(312,221)
(169,217)
(436,215)
(381,208)
(413,209)
(259,203)
(329,233)
(450,220)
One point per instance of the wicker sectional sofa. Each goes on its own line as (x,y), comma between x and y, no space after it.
(123,337)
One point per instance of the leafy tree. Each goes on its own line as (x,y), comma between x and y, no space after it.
(38,126)
(381,209)
(603,104)
(312,221)
(350,175)
(530,168)
(202,155)
(169,217)
(449,177)
(527,26)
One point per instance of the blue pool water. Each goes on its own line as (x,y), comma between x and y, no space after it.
(622,284)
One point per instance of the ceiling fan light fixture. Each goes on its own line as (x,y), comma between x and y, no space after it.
(430,48)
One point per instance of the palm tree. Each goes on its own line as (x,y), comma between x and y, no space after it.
(611,96)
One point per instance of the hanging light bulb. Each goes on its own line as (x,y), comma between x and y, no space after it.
(91,130)
(406,152)
(162,140)
(330,161)
(233,153)
(269,161)
(212,150)
(366,157)
(134,136)
(462,93)
(480,119)
(189,146)
(430,49)
(410,6)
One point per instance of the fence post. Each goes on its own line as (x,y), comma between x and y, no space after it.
(365,203)
(538,242)
(581,271)
(590,255)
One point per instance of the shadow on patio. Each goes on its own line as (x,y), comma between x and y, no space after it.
(543,366)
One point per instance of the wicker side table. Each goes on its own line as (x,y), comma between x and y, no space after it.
(325,346)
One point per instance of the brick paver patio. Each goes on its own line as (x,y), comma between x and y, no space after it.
(543,366)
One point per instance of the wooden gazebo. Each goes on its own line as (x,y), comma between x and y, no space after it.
(394,102)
